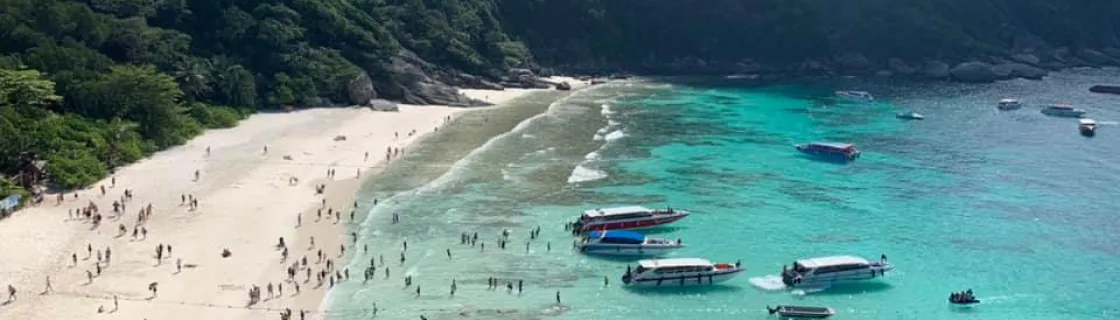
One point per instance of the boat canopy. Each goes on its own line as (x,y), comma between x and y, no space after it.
(615,211)
(619,237)
(1008,101)
(1087,121)
(832,145)
(677,262)
(831,261)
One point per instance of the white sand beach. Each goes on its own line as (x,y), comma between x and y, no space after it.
(246,203)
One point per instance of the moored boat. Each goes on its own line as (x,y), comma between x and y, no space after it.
(1088,127)
(855,95)
(830,150)
(826,271)
(1009,104)
(626,218)
(680,272)
(802,312)
(626,243)
(910,115)
(1062,110)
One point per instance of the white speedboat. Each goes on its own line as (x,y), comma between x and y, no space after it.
(855,95)
(910,115)
(1009,104)
(826,271)
(1088,127)
(626,243)
(1062,110)
(626,218)
(680,272)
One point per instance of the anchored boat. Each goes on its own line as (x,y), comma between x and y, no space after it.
(1062,110)
(626,243)
(855,95)
(802,312)
(1088,127)
(680,272)
(830,150)
(826,271)
(1009,104)
(626,218)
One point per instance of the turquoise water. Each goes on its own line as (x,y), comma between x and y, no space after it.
(1015,205)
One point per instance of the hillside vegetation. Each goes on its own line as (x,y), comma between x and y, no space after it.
(93,84)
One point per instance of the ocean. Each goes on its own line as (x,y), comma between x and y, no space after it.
(1015,205)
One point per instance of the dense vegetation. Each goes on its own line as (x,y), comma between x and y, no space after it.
(93,84)
(633,34)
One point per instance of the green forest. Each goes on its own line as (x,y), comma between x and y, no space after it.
(90,85)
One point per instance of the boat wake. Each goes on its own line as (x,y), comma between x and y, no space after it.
(1108,123)
(768,283)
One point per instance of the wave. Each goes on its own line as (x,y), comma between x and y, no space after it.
(584,174)
(614,135)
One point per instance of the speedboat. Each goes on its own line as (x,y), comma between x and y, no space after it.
(963,298)
(910,115)
(1088,127)
(626,243)
(826,271)
(855,95)
(680,272)
(802,312)
(626,218)
(1062,110)
(831,150)
(1009,104)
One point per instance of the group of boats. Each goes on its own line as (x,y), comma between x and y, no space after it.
(609,232)
(845,152)
(1086,126)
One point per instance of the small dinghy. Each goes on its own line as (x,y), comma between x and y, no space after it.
(963,298)
(802,312)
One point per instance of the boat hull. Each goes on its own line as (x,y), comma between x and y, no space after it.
(829,155)
(632,224)
(828,280)
(1088,132)
(688,280)
(1063,114)
(628,249)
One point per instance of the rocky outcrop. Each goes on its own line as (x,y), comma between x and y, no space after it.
(973,72)
(900,67)
(524,78)
(1003,71)
(1096,57)
(563,86)
(1026,58)
(935,70)
(1019,70)
(413,85)
(359,89)
(853,64)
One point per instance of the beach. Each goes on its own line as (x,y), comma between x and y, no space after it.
(254,185)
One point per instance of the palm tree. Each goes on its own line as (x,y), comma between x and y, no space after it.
(194,77)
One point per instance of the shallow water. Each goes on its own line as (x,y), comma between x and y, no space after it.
(1015,205)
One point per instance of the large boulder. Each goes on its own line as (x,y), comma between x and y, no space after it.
(854,64)
(1026,58)
(973,72)
(1003,71)
(359,89)
(935,70)
(414,85)
(1096,57)
(1019,70)
(900,67)
(383,105)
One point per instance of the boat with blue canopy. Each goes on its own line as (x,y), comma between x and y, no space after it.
(626,243)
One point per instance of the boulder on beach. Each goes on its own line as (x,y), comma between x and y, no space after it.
(935,70)
(383,105)
(900,67)
(973,72)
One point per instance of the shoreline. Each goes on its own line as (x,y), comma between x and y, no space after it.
(242,194)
